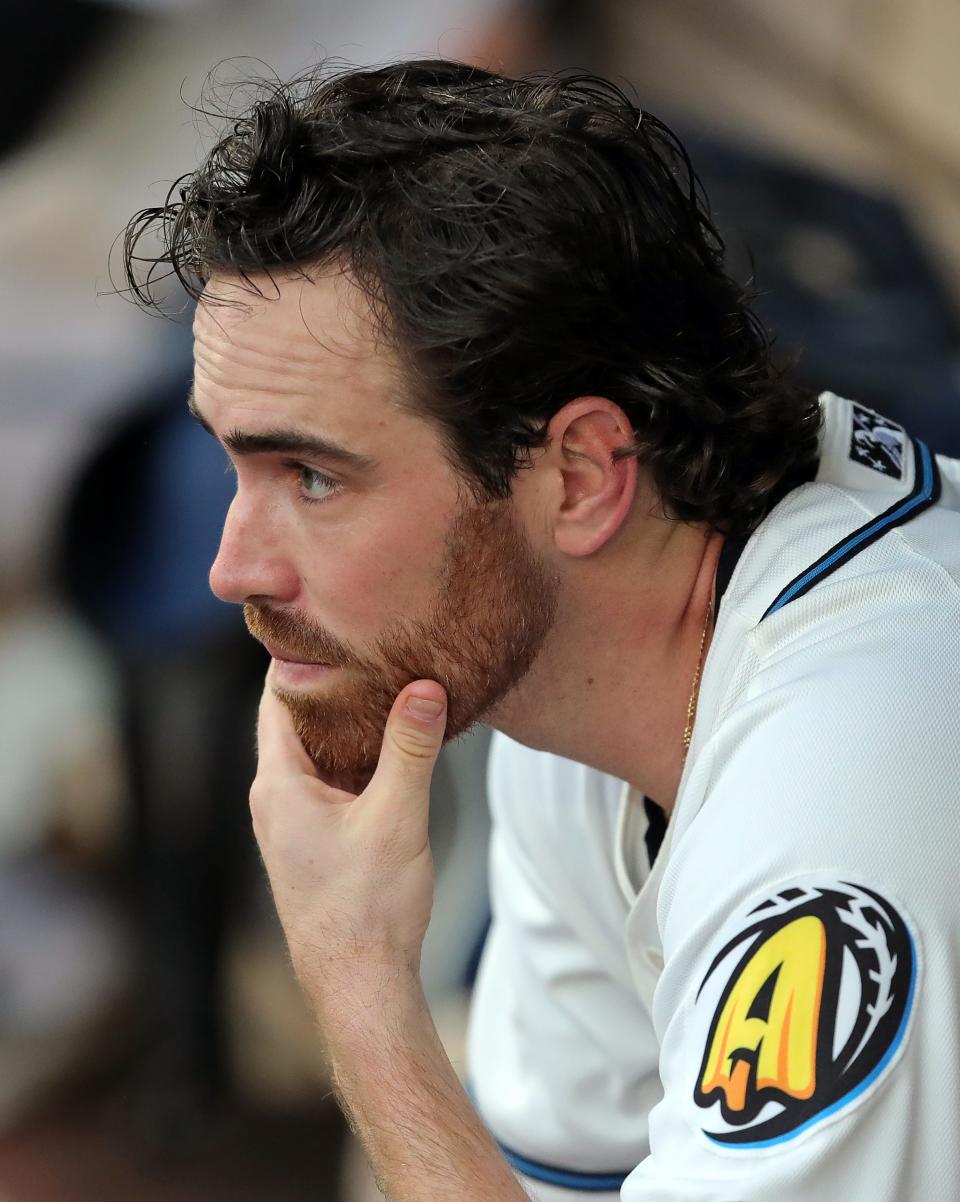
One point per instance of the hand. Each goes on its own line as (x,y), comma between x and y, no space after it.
(352,875)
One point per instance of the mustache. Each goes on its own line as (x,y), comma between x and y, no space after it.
(289,632)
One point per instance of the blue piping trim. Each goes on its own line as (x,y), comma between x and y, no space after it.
(549,1174)
(588,1182)
(896,516)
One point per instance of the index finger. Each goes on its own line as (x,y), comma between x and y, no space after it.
(279,749)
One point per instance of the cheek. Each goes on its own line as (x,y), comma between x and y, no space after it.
(374,577)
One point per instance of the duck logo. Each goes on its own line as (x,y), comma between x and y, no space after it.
(808,1005)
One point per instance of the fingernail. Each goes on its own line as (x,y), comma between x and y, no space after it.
(423,707)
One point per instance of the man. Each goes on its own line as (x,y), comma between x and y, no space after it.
(509,448)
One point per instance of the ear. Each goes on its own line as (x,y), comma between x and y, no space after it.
(595,491)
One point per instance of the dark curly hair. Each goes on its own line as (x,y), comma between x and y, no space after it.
(523,242)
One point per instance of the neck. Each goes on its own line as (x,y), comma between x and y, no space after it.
(619,664)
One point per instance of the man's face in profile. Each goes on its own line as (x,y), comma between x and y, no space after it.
(364,555)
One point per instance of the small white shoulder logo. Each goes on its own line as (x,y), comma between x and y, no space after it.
(877,442)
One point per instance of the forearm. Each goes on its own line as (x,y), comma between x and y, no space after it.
(352,879)
(403,1099)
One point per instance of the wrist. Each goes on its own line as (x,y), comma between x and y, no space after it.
(354,995)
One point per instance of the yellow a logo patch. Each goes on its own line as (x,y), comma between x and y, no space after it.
(803,1008)
(771,1018)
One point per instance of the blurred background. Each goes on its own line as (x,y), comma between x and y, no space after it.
(152,1042)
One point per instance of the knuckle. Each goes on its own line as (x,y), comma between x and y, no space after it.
(259,799)
(416,745)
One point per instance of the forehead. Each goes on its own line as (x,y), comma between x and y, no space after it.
(304,343)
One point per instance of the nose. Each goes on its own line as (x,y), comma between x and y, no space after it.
(250,564)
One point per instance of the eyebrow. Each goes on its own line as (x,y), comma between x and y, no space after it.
(242,442)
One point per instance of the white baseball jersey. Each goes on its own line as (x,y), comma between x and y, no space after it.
(771,1013)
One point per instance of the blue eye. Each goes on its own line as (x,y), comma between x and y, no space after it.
(310,478)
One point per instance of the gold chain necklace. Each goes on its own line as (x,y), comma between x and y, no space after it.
(692,704)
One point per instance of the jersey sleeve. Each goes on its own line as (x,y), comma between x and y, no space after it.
(561,1055)
(807,1011)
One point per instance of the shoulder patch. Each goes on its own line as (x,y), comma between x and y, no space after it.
(877,442)
(803,1009)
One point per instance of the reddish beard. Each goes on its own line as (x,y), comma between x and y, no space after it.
(494,606)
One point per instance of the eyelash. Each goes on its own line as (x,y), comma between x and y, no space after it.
(299,469)
(333,485)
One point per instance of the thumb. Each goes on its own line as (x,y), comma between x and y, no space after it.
(412,739)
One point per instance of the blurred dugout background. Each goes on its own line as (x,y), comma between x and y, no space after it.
(152,1043)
